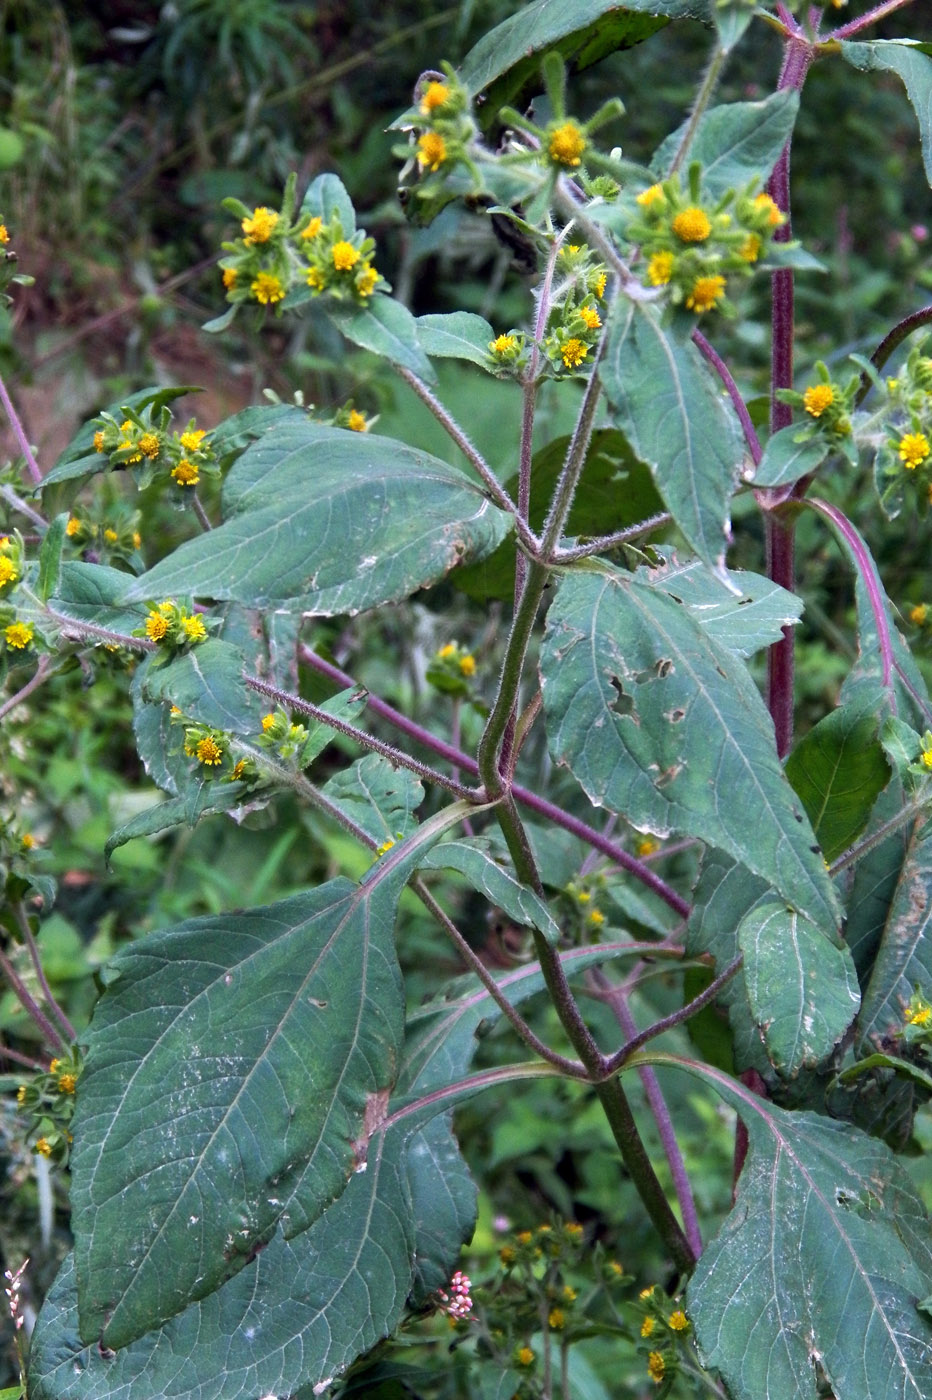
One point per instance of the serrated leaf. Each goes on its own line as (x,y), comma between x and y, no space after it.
(206,683)
(581,31)
(748,614)
(802,988)
(676,421)
(819,1264)
(230,1070)
(785,460)
(459,335)
(474,859)
(903,961)
(378,797)
(332,521)
(838,770)
(80,457)
(386,328)
(735,142)
(912,63)
(660,723)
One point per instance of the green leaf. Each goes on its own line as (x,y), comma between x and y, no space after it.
(875,881)
(802,989)
(332,520)
(785,460)
(459,335)
(660,723)
(676,420)
(231,437)
(735,142)
(80,457)
(386,328)
(347,705)
(443,1204)
(206,683)
(818,1267)
(581,31)
(326,195)
(911,62)
(745,616)
(475,859)
(731,23)
(235,1068)
(50,562)
(214,798)
(838,771)
(378,797)
(86,593)
(904,958)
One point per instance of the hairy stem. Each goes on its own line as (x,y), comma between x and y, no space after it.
(709,352)
(19,433)
(50,1032)
(868,571)
(890,342)
(42,672)
(703,98)
(855,26)
(22,920)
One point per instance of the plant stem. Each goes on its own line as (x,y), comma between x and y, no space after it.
(676,1018)
(22,920)
(781,656)
(724,373)
(574,463)
(395,756)
(42,673)
(703,98)
(32,1008)
(894,338)
(200,512)
(14,1056)
(12,499)
(601,543)
(868,571)
(540,805)
(573,1069)
(854,26)
(19,433)
(876,838)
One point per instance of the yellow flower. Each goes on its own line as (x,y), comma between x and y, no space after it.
(647,1326)
(208,751)
(566,145)
(261,226)
(524,1356)
(431,150)
(503,344)
(239,769)
(596,917)
(385,847)
(598,286)
(913,450)
(656,1366)
(73,526)
(186,473)
(111,536)
(506,1254)
(524,1237)
(267,289)
(44,1147)
(556,1319)
(344,255)
(692,225)
(768,206)
(54,1066)
(366,280)
(357,422)
(659,269)
(267,723)
(573,353)
(99,440)
(591,317)
(646,1293)
(679,1321)
(191,440)
(922,1016)
(817,398)
(917,615)
(433,96)
(8,572)
(28,841)
(750,249)
(653,195)
(468,664)
(315,278)
(149,445)
(926,759)
(706,291)
(568,1294)
(4,234)
(647,847)
(18,635)
(156,627)
(21,1094)
(313,228)
(66,1083)
(230,275)
(137,539)
(194,628)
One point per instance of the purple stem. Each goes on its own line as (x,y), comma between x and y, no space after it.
(19,433)
(724,373)
(868,571)
(656,1102)
(854,26)
(891,340)
(527,798)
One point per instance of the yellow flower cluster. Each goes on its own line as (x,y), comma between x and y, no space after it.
(47,1099)
(906,456)
(170,626)
(576,318)
(451,669)
(693,246)
(145,442)
(440,123)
